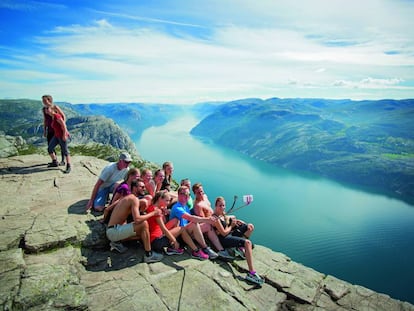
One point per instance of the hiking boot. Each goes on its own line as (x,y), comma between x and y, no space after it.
(68,169)
(153,258)
(172,251)
(254,278)
(224,254)
(199,255)
(211,254)
(118,246)
(240,251)
(62,163)
(53,164)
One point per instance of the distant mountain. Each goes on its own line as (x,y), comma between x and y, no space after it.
(22,117)
(365,143)
(133,118)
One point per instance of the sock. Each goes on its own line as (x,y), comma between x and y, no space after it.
(252,272)
(148,253)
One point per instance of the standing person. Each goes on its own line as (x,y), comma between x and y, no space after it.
(61,136)
(107,182)
(202,208)
(230,238)
(47,122)
(118,230)
(181,212)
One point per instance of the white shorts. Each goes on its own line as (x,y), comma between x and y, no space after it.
(120,232)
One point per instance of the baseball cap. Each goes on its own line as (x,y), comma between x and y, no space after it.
(125,156)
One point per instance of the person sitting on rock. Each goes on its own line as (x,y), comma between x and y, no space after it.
(202,208)
(190,203)
(230,232)
(119,230)
(110,177)
(181,212)
(156,181)
(164,234)
(121,191)
(146,175)
(168,169)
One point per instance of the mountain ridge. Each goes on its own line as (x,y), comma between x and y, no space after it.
(363,143)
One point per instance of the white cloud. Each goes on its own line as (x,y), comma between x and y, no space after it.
(276,51)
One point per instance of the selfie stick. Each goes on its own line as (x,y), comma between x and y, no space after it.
(247,199)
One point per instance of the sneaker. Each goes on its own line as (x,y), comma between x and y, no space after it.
(118,246)
(224,254)
(240,251)
(62,163)
(68,169)
(153,258)
(211,254)
(254,278)
(53,164)
(199,255)
(172,251)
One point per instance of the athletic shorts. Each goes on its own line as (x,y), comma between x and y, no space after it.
(231,241)
(159,243)
(120,232)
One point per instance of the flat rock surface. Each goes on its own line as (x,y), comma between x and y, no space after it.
(54,256)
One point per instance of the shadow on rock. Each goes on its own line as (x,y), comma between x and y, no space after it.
(24,170)
(106,260)
(78,208)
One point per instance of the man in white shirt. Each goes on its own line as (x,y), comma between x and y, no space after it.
(113,173)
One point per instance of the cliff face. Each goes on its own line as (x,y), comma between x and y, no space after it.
(55,257)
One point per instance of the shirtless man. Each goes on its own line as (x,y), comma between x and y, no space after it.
(118,229)
(202,208)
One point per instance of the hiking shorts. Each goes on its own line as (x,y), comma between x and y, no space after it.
(120,232)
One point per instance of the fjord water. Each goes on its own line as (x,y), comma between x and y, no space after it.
(363,238)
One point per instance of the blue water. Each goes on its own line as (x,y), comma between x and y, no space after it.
(360,237)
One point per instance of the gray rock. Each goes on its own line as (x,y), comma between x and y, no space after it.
(9,145)
(54,256)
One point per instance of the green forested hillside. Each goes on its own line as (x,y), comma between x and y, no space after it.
(366,143)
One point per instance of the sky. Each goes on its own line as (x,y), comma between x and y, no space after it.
(192,51)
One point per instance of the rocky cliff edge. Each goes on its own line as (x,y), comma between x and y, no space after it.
(55,257)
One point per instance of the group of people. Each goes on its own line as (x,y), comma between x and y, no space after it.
(56,132)
(145,206)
